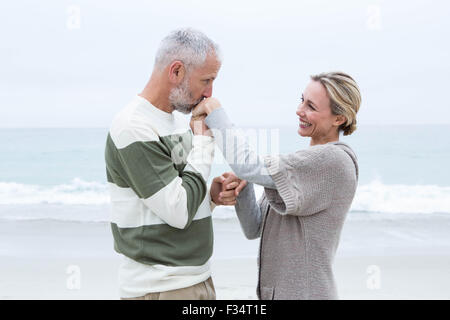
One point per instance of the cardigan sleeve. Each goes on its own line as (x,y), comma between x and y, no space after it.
(240,155)
(305,181)
(250,212)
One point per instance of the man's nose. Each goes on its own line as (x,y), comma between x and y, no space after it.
(208,92)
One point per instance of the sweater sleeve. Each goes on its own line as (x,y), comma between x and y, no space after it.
(305,181)
(147,168)
(249,212)
(244,161)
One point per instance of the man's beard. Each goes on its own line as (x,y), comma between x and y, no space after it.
(181,98)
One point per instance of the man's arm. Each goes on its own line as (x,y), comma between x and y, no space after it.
(148,169)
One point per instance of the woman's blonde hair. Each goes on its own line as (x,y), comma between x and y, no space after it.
(345,97)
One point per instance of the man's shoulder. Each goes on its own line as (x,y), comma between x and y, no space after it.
(128,126)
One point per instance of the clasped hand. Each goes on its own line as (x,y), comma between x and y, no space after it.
(225,189)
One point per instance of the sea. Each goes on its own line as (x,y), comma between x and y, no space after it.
(59,174)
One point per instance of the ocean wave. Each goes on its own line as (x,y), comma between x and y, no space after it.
(377,197)
(374,197)
(76,192)
(398,198)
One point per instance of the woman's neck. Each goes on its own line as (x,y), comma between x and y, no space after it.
(323,140)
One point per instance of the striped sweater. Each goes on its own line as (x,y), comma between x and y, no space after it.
(160,203)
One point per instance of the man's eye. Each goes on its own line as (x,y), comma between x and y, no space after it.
(207,81)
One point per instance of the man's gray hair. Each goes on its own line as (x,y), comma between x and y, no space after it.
(186,45)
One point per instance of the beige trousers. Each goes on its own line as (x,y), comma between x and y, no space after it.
(200,291)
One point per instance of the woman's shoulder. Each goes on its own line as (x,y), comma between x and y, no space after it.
(324,157)
(315,153)
(344,157)
(330,155)
(343,152)
(332,149)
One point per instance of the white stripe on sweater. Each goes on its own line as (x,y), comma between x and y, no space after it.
(129,211)
(137,279)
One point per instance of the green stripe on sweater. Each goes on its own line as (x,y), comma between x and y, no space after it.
(162,244)
(147,167)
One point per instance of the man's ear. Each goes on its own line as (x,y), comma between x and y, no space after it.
(176,72)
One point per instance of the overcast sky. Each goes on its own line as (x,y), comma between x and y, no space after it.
(76,63)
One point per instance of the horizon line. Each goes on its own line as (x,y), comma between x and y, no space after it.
(243,126)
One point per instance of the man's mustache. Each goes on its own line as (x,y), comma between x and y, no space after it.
(196,103)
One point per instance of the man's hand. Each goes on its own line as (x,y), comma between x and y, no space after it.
(205,107)
(226,188)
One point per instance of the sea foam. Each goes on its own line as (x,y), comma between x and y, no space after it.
(75,192)
(374,197)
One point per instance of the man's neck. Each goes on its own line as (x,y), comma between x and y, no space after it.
(157,96)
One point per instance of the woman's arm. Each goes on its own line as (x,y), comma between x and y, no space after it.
(249,212)
(246,164)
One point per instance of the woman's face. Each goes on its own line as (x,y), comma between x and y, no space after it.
(315,117)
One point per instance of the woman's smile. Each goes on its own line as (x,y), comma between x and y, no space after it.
(304,124)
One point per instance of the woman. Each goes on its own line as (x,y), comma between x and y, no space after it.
(307,193)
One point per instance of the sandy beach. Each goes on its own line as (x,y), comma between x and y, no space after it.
(379,258)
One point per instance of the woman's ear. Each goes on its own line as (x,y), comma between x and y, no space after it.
(340,119)
(176,72)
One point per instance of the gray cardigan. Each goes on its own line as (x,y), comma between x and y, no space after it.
(299,217)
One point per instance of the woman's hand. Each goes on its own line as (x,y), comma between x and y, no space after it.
(205,107)
(225,189)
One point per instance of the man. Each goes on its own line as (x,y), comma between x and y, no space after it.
(157,168)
